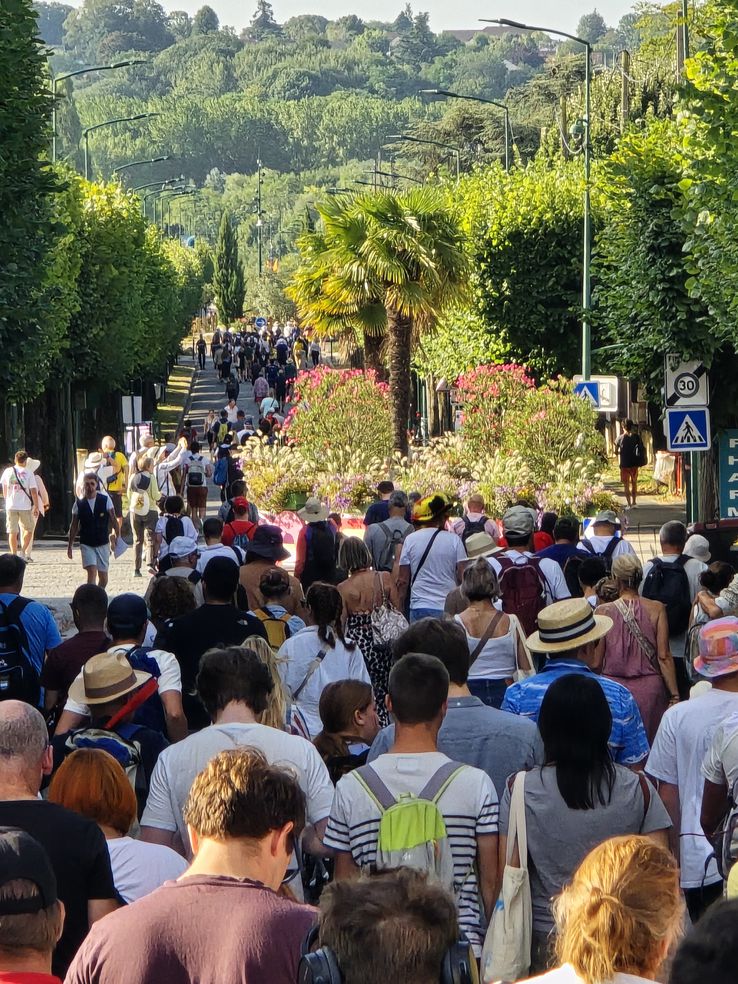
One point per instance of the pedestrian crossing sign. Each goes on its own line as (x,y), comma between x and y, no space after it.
(589,391)
(688,429)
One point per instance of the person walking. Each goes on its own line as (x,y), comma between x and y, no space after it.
(635,651)
(197,473)
(432,560)
(316,545)
(632,457)
(202,350)
(93,516)
(22,504)
(117,465)
(143,494)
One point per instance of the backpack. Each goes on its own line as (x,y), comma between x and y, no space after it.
(173,527)
(220,475)
(725,840)
(196,472)
(140,501)
(276,627)
(606,555)
(242,540)
(473,526)
(393,539)
(571,574)
(220,430)
(523,590)
(121,744)
(669,584)
(19,680)
(412,830)
(639,453)
(151,713)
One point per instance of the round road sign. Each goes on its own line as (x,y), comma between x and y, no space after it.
(686,385)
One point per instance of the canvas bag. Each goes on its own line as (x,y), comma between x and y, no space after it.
(388,623)
(507,945)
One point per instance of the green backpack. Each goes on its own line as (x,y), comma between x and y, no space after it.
(412,830)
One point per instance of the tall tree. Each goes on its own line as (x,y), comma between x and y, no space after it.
(263,25)
(383,263)
(592,27)
(51,17)
(179,23)
(205,21)
(228,279)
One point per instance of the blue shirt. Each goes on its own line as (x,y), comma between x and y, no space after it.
(294,622)
(40,628)
(378,512)
(628,742)
(560,552)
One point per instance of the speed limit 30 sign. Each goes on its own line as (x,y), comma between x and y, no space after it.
(687,383)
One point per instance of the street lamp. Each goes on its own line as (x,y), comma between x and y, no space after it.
(394,174)
(480,99)
(98,126)
(156,184)
(153,160)
(436,143)
(81,71)
(586,263)
(160,189)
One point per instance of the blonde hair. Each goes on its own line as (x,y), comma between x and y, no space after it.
(620,908)
(275,715)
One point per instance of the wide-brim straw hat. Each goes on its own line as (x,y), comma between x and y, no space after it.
(480,545)
(313,511)
(106,677)
(567,625)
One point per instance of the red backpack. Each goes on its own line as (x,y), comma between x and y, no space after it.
(523,590)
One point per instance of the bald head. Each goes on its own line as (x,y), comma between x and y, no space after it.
(23,734)
(108,443)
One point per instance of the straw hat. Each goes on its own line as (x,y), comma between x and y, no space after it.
(480,545)
(567,625)
(106,677)
(313,511)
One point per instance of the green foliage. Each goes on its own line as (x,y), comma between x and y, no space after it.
(461,341)
(591,27)
(51,17)
(263,25)
(205,21)
(27,233)
(228,280)
(100,28)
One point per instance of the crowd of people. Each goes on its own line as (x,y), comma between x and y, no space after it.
(450,746)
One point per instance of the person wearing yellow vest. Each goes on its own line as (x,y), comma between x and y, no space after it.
(118,481)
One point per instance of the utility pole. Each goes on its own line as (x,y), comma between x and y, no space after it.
(625,80)
(259,224)
(564,111)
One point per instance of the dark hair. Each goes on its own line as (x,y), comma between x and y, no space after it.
(628,425)
(220,578)
(591,570)
(518,539)
(717,576)
(173,504)
(575,723)
(12,569)
(233,673)
(395,925)
(336,518)
(212,528)
(170,597)
(384,488)
(566,528)
(673,534)
(195,447)
(326,605)
(339,702)
(238,488)
(548,522)
(443,638)
(24,931)
(418,688)
(709,952)
(91,601)
(274,583)
(239,794)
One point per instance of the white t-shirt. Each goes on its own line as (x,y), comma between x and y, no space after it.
(170,677)
(215,550)
(339,663)
(556,588)
(178,765)
(567,975)
(232,413)
(188,529)
(601,543)
(139,868)
(682,740)
(15,497)
(721,761)
(693,568)
(469,803)
(438,574)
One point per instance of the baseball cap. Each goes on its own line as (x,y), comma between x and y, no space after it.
(127,611)
(240,502)
(518,520)
(182,546)
(22,857)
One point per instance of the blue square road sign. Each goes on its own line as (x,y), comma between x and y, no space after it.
(589,391)
(688,429)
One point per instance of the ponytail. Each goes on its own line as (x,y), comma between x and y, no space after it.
(326,606)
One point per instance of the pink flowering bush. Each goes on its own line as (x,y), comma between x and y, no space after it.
(336,409)
(488,393)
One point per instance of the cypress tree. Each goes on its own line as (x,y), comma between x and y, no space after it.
(228,281)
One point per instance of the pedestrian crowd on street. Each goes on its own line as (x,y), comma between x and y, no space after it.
(452,748)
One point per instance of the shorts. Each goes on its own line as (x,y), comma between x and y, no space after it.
(15,518)
(197,496)
(117,499)
(626,474)
(95,556)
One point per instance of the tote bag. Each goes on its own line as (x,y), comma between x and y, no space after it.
(507,945)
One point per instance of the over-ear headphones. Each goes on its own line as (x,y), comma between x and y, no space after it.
(321,966)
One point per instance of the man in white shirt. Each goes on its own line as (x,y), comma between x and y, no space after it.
(519,526)
(679,749)
(601,537)
(212,530)
(432,561)
(231,412)
(234,685)
(418,695)
(21,503)
(673,537)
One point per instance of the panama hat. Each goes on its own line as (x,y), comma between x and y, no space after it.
(313,511)
(718,645)
(480,545)
(106,677)
(567,625)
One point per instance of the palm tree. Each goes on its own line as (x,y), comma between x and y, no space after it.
(382,264)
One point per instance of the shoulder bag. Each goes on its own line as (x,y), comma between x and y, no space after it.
(486,636)
(423,559)
(388,623)
(311,669)
(647,647)
(507,946)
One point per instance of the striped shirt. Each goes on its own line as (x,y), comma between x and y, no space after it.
(469,806)
(628,742)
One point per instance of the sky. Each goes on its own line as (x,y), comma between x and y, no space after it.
(460,14)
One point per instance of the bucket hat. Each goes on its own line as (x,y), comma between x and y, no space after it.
(718,648)
(313,511)
(268,543)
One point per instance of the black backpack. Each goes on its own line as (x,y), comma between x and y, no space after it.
(173,527)
(393,539)
(472,527)
(669,584)
(18,678)
(606,555)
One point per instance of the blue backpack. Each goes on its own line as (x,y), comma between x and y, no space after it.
(220,475)
(151,712)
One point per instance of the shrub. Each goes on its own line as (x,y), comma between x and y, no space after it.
(487,394)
